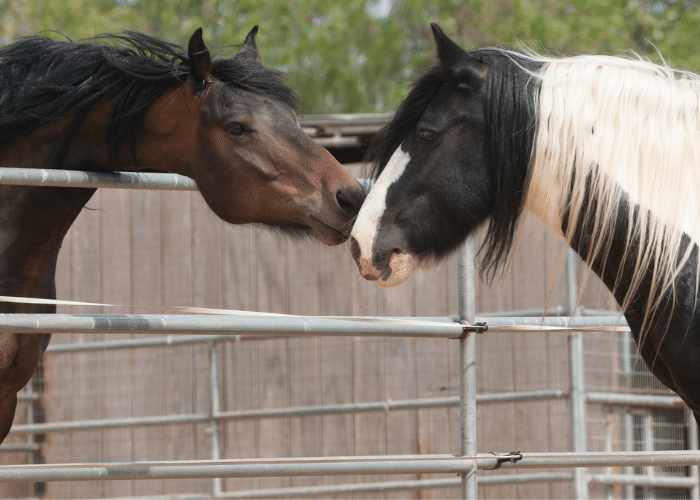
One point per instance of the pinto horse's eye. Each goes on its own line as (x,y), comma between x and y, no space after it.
(237,128)
(426,135)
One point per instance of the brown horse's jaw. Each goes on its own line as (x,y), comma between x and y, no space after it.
(327,234)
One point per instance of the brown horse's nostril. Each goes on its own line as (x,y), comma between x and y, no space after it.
(350,199)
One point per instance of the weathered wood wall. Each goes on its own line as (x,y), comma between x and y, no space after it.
(157,248)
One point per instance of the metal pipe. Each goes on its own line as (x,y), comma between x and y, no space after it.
(628,420)
(77,179)
(300,411)
(341,489)
(76,425)
(645,481)
(576,379)
(214,407)
(632,400)
(595,459)
(415,464)
(279,325)
(467,365)
(587,322)
(571,282)
(692,438)
(104,345)
(388,464)
(19,447)
(511,397)
(420,484)
(649,446)
(535,313)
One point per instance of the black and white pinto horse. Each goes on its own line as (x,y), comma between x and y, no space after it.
(604,150)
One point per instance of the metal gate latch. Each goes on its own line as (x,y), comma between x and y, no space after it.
(511,457)
(480,327)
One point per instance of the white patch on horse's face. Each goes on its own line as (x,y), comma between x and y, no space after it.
(367,225)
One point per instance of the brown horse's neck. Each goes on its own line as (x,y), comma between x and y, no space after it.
(34,220)
(33,223)
(88,147)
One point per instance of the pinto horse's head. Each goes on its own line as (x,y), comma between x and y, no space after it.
(434,184)
(243,145)
(456,154)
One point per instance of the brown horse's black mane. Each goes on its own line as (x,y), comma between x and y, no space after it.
(43,80)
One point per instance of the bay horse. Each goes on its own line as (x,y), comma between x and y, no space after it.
(604,150)
(134,102)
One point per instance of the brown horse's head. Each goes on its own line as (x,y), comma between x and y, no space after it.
(237,135)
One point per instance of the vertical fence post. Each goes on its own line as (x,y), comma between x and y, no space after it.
(576,380)
(628,417)
(694,470)
(467,365)
(214,408)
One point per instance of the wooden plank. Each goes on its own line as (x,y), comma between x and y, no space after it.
(241,439)
(113,375)
(146,365)
(369,385)
(272,275)
(239,362)
(177,288)
(304,386)
(337,376)
(207,254)
(78,382)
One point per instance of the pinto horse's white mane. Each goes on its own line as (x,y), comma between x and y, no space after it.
(623,129)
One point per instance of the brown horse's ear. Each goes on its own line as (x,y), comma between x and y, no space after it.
(250,46)
(200,59)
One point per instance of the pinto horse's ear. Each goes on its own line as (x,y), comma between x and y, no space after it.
(200,59)
(449,53)
(454,58)
(250,46)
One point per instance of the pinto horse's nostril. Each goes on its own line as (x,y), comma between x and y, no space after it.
(355,250)
(350,200)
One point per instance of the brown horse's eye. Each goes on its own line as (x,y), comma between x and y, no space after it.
(236,128)
(426,135)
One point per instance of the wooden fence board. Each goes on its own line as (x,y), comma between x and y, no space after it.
(177,253)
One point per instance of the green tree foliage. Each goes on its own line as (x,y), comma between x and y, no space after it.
(355,56)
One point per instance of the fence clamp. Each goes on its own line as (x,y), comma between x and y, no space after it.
(502,458)
(480,327)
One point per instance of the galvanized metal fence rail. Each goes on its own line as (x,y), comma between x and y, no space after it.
(215,329)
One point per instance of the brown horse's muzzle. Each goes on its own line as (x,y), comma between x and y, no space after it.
(333,221)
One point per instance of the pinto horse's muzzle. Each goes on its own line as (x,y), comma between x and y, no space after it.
(389,268)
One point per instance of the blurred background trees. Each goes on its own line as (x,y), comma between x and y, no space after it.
(359,56)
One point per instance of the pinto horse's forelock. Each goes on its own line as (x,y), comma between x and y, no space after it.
(511,117)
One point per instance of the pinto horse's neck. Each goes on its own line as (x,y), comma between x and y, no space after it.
(668,342)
